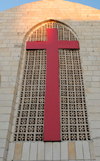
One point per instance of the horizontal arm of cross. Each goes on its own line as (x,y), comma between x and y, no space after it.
(36,45)
(68,44)
(60,44)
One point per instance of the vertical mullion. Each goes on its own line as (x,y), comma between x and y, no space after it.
(65,54)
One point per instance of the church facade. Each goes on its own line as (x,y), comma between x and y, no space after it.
(50,82)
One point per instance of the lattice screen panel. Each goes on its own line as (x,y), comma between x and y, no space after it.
(30,117)
(40,33)
(74,119)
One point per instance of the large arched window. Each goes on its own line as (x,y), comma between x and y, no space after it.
(73,111)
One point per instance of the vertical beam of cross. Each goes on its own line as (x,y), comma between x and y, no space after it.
(52,99)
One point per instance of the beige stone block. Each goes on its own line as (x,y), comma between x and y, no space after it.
(95,124)
(71,150)
(4,78)
(4,117)
(85,58)
(7,68)
(6,97)
(64,147)
(79,150)
(25,151)
(94,109)
(12,79)
(5,41)
(94,78)
(92,68)
(4,125)
(3,45)
(96,73)
(2,159)
(85,68)
(11,149)
(8,58)
(88,78)
(98,67)
(88,84)
(5,84)
(16,58)
(40,151)
(97,158)
(88,73)
(33,151)
(95,133)
(1,59)
(2,143)
(6,73)
(14,37)
(4,54)
(2,150)
(10,45)
(95,84)
(93,104)
(14,68)
(97,151)
(96,62)
(12,84)
(92,53)
(5,103)
(5,110)
(3,134)
(14,73)
(93,96)
(48,151)
(4,63)
(86,150)
(14,63)
(92,150)
(18,151)
(7,90)
(92,57)
(5,154)
(95,116)
(13,41)
(94,90)
(96,142)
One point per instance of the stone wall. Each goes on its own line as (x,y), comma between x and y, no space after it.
(15,25)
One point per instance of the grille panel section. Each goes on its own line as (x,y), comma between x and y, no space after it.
(40,33)
(74,119)
(30,117)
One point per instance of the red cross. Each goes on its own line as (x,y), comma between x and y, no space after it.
(52,99)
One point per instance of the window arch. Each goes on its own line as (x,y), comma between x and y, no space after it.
(73,111)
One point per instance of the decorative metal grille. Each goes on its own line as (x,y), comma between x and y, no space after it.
(30,117)
(74,119)
(40,33)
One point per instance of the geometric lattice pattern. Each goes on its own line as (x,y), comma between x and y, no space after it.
(30,117)
(73,112)
(40,33)
(74,119)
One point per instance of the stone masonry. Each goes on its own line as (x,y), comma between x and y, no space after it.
(15,26)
